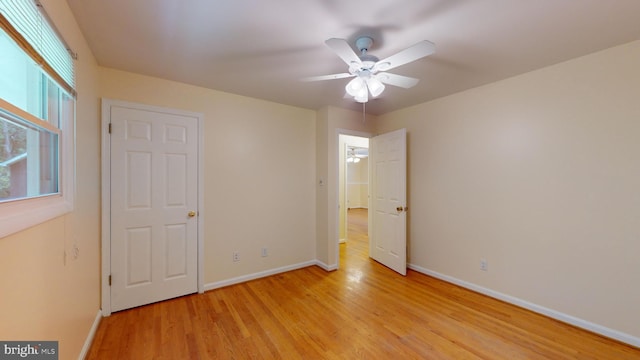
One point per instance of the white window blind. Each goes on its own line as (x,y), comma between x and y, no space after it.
(30,21)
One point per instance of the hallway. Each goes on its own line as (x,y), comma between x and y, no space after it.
(355,249)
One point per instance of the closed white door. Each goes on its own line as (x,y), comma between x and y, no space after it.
(387,216)
(154,185)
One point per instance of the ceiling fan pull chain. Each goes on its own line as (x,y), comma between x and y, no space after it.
(364,114)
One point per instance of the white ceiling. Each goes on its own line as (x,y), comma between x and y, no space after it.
(261,48)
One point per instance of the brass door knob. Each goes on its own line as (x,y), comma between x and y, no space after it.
(192,213)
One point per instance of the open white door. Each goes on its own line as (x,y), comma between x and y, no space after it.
(154,204)
(387,214)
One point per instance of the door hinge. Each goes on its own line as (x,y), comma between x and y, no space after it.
(109,280)
(109,128)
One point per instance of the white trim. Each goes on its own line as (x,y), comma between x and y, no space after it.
(343,203)
(106,206)
(326,267)
(92,333)
(557,315)
(201,203)
(106,192)
(258,275)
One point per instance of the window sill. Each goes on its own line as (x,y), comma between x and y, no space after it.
(20,215)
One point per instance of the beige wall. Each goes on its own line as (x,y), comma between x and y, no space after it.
(539,174)
(259,169)
(44,296)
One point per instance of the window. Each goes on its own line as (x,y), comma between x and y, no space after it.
(37,114)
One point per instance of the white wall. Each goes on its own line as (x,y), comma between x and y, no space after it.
(44,296)
(358,184)
(259,173)
(538,174)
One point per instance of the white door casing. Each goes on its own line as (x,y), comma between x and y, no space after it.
(387,214)
(154,180)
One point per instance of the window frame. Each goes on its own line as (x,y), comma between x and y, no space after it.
(27,23)
(20,214)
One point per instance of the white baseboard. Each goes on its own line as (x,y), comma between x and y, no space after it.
(92,333)
(326,267)
(587,325)
(258,275)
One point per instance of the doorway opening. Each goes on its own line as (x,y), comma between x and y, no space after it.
(353,187)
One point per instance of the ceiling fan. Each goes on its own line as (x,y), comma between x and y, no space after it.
(354,154)
(368,71)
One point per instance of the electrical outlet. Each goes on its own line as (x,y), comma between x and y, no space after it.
(236,256)
(265,253)
(484,265)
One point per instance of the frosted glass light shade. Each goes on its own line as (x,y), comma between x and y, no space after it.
(355,86)
(375,86)
(362,96)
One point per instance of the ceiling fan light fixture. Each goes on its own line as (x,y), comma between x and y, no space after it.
(363,96)
(355,86)
(368,71)
(375,86)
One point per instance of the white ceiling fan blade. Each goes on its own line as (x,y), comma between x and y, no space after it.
(397,80)
(327,77)
(415,52)
(343,50)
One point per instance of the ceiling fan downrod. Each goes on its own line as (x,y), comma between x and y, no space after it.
(364,44)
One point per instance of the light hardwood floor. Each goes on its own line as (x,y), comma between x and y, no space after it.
(362,311)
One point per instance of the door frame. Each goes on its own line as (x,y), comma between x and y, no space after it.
(106,192)
(336,202)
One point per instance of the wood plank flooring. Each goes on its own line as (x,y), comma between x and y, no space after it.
(362,311)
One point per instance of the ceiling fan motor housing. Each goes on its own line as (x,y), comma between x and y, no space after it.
(364,43)
(368,61)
